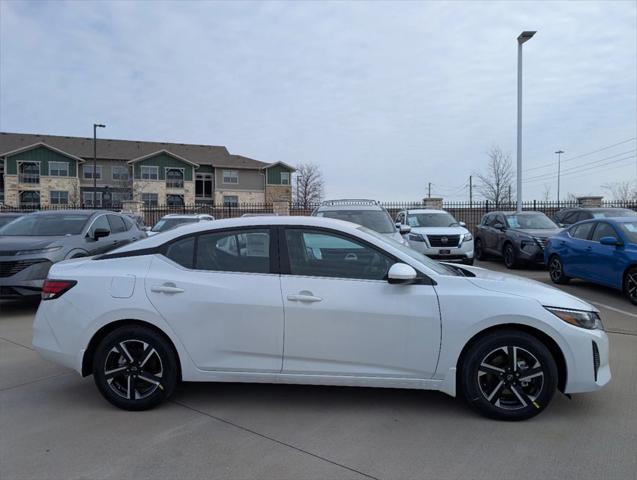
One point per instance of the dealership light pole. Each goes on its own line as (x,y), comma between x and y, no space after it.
(559,161)
(523,37)
(95,127)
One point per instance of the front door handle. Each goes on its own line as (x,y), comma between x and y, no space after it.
(304,297)
(166,288)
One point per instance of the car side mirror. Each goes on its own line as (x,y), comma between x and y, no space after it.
(100,233)
(401,274)
(498,226)
(404,229)
(610,240)
(462,224)
(398,224)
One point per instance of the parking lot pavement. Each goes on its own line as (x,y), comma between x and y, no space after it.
(55,425)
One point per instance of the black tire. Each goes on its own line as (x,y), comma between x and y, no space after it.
(630,285)
(138,355)
(556,270)
(479,249)
(510,256)
(504,395)
(467,261)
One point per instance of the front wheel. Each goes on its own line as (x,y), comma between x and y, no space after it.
(135,368)
(508,375)
(556,271)
(480,255)
(630,285)
(510,257)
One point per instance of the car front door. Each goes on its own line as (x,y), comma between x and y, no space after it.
(576,252)
(605,262)
(488,233)
(343,318)
(102,244)
(218,292)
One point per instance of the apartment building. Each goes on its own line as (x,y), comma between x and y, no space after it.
(41,170)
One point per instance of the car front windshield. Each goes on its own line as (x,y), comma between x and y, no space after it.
(5,220)
(377,220)
(531,222)
(613,213)
(56,225)
(439,219)
(168,223)
(630,230)
(417,256)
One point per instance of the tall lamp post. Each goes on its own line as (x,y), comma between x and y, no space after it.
(95,127)
(523,37)
(559,162)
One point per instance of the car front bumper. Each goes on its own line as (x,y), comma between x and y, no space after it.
(588,367)
(461,253)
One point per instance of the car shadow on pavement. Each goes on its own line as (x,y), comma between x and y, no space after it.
(19,306)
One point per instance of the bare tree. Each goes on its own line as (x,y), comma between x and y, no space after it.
(625,191)
(309,186)
(546,193)
(496,181)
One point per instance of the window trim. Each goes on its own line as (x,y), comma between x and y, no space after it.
(120,167)
(58,191)
(150,203)
(289,178)
(223,177)
(68,168)
(141,173)
(98,168)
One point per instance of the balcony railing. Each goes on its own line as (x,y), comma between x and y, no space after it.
(174,183)
(29,178)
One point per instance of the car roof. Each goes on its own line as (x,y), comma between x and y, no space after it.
(186,215)
(78,211)
(511,212)
(424,210)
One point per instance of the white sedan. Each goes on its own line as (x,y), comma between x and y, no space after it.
(313,301)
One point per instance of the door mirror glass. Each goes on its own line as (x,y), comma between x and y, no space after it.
(498,226)
(401,273)
(404,229)
(609,241)
(398,225)
(462,224)
(100,233)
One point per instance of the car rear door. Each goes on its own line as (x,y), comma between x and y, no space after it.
(343,318)
(221,295)
(119,231)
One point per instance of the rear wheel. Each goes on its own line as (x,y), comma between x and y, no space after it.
(508,375)
(135,368)
(509,256)
(556,270)
(479,248)
(630,285)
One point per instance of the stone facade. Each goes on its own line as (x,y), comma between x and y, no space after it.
(432,202)
(278,192)
(590,202)
(159,187)
(46,185)
(243,196)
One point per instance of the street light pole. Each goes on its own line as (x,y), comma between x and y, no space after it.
(95,127)
(559,162)
(523,37)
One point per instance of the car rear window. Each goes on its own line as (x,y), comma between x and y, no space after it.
(377,220)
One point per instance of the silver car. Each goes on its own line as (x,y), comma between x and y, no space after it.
(30,244)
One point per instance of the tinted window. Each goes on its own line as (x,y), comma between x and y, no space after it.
(603,229)
(377,220)
(100,222)
(182,252)
(320,254)
(630,230)
(116,223)
(236,251)
(46,225)
(613,212)
(441,219)
(582,231)
(486,219)
(128,222)
(569,218)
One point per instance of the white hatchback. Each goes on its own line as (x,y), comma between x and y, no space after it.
(313,301)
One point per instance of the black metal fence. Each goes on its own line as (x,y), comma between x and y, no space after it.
(154,213)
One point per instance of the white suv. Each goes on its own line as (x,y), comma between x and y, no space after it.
(368,213)
(437,234)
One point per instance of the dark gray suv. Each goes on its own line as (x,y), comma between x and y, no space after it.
(30,244)
(517,237)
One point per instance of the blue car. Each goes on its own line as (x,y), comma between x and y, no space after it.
(602,251)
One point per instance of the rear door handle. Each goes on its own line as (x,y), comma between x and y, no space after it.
(166,289)
(303,297)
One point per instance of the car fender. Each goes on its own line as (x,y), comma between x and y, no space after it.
(76,252)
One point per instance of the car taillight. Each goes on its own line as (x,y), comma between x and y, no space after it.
(55,288)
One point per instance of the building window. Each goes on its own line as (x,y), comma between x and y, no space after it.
(87,199)
(150,199)
(119,197)
(59,198)
(120,173)
(88,172)
(174,178)
(231,176)
(230,201)
(30,198)
(203,185)
(149,173)
(175,200)
(58,169)
(29,172)
(285,178)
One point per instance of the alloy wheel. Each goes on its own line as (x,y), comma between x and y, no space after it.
(555,269)
(133,369)
(511,378)
(508,256)
(631,285)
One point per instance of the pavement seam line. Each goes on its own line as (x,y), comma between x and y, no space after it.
(18,344)
(272,439)
(34,381)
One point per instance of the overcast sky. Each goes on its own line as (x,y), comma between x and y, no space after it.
(384,97)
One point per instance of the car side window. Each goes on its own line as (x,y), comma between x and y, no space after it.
(488,220)
(116,223)
(582,231)
(603,229)
(234,251)
(500,219)
(100,222)
(128,222)
(182,252)
(325,254)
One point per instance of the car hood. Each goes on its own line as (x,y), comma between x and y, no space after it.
(396,237)
(440,230)
(542,233)
(10,243)
(523,287)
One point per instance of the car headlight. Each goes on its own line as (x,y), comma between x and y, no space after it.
(579,318)
(468,237)
(416,237)
(38,250)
